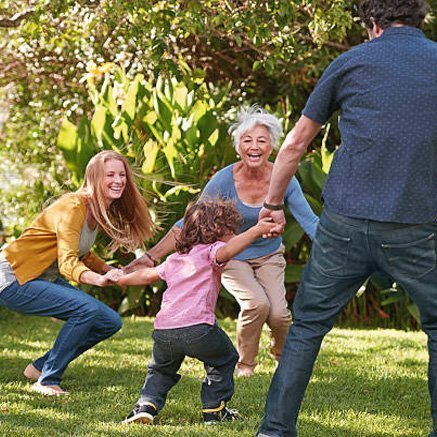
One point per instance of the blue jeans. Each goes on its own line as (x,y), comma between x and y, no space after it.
(87,321)
(345,253)
(207,343)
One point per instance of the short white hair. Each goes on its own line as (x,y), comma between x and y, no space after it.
(251,117)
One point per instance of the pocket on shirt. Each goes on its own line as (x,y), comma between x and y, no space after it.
(360,146)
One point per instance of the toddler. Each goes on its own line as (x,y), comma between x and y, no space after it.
(185,324)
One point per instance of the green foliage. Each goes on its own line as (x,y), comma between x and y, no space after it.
(269,50)
(172,55)
(170,126)
(176,130)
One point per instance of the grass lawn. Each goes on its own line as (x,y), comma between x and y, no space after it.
(366,383)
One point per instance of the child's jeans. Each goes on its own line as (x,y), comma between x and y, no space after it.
(207,343)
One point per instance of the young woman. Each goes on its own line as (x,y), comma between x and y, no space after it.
(58,242)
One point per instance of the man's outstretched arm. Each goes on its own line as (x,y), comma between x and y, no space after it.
(286,163)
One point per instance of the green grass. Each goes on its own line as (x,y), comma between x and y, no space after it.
(366,383)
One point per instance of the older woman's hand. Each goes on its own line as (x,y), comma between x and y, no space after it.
(144,261)
(278,217)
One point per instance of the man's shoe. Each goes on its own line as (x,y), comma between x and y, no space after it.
(212,416)
(142,413)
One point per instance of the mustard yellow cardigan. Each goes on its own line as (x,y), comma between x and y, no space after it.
(53,235)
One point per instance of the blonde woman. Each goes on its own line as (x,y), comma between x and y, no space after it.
(58,242)
(255,277)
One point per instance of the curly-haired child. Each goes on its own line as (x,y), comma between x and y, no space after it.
(186,324)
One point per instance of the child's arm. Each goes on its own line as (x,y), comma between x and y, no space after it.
(143,276)
(238,243)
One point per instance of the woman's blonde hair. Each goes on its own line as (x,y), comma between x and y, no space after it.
(127,221)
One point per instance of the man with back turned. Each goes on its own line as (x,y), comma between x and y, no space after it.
(380,196)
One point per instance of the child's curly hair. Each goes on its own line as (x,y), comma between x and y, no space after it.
(206,222)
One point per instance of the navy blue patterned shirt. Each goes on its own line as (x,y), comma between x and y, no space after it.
(386,90)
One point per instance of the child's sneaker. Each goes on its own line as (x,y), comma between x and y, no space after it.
(212,416)
(142,413)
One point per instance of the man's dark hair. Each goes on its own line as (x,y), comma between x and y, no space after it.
(387,12)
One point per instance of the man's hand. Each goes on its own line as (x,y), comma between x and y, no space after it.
(278,218)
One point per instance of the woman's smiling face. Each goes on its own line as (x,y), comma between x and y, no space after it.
(255,146)
(114,181)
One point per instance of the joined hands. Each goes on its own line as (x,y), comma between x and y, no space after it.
(277,217)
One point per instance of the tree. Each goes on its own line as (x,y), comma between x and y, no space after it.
(48,46)
(54,53)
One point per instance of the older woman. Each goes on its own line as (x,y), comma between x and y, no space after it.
(58,242)
(256,276)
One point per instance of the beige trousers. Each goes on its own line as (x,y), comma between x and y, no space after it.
(258,286)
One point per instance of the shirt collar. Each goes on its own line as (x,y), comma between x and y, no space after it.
(403,30)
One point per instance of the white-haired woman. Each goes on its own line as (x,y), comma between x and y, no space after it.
(58,242)
(256,276)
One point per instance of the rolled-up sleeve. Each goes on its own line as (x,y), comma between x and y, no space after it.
(213,254)
(92,261)
(323,101)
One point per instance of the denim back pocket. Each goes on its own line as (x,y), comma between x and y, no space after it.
(330,251)
(213,344)
(412,259)
(162,336)
(197,333)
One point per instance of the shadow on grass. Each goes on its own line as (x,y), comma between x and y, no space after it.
(94,401)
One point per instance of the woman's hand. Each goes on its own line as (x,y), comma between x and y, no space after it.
(93,278)
(140,263)
(110,278)
(113,275)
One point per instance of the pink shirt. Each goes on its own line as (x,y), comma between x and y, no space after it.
(193,286)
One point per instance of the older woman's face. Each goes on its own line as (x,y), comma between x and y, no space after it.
(255,146)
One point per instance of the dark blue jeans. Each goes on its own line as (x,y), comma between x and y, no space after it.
(207,343)
(87,321)
(345,252)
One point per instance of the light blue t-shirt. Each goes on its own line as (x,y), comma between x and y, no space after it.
(222,185)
